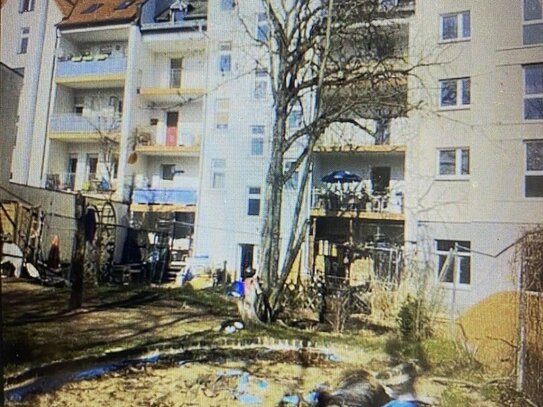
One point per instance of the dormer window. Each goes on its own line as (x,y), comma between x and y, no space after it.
(92,8)
(124,4)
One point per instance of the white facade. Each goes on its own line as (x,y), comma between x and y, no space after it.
(191,109)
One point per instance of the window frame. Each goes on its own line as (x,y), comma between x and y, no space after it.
(222,112)
(526,96)
(530,173)
(26,6)
(466,253)
(227,5)
(257,135)
(529,23)
(225,54)
(261,79)
(458,161)
(459,15)
(171,176)
(293,183)
(256,197)
(24,38)
(262,33)
(460,88)
(218,167)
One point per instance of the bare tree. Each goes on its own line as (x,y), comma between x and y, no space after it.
(330,61)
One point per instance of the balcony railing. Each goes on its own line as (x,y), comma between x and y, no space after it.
(73,123)
(64,181)
(75,67)
(357,200)
(172,196)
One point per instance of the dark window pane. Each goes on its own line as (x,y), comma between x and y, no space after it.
(227,4)
(534,156)
(449,27)
(465,270)
(533,79)
(447,162)
(533,109)
(225,63)
(254,190)
(465,162)
(534,186)
(446,245)
(466,23)
(447,274)
(466,91)
(168,171)
(448,93)
(254,207)
(533,34)
(532,10)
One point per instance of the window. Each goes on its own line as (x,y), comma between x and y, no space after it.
(124,4)
(261,83)
(225,57)
(222,113)
(227,5)
(533,179)
(292,182)
(455,26)
(533,92)
(262,27)
(453,261)
(257,141)
(26,6)
(23,44)
(295,119)
(453,163)
(253,201)
(218,174)
(168,171)
(455,92)
(382,131)
(92,8)
(387,4)
(532,32)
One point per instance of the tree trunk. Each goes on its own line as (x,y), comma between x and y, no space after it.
(78,255)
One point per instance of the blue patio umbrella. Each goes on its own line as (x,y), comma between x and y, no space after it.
(341,177)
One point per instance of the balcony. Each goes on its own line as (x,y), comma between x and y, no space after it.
(100,71)
(348,138)
(71,127)
(185,143)
(358,202)
(179,194)
(175,86)
(66,181)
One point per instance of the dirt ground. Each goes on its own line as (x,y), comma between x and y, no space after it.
(38,330)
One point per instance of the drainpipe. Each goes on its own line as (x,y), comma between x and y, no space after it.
(50,105)
(23,147)
(129,108)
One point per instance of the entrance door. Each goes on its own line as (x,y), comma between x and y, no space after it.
(247,254)
(171,128)
(71,171)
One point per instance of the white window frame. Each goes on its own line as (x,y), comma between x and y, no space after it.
(459,93)
(257,136)
(252,194)
(218,168)
(531,95)
(225,48)
(222,114)
(261,81)
(530,173)
(528,23)
(294,123)
(457,164)
(26,6)
(459,26)
(25,36)
(465,253)
(293,183)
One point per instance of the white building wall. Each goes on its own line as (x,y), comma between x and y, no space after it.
(487,208)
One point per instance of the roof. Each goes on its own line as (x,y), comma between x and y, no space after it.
(99,12)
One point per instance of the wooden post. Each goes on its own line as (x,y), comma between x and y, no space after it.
(78,254)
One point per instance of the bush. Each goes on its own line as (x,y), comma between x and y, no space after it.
(414,319)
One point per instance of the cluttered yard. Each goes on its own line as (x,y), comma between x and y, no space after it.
(159,346)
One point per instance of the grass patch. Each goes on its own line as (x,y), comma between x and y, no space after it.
(454,397)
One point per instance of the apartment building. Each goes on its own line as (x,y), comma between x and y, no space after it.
(477,159)
(168,103)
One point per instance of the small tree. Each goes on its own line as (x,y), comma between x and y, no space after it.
(334,61)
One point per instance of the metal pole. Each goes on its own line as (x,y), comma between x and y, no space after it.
(1,322)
